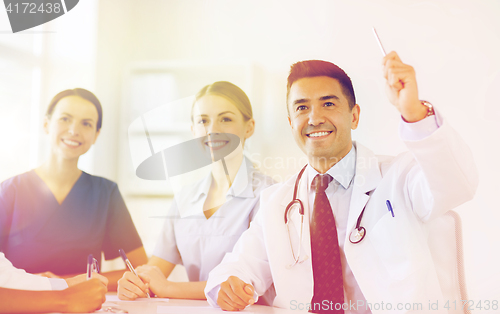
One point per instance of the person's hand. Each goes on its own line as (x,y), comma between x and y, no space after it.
(48,274)
(131,287)
(401,88)
(83,277)
(85,297)
(155,279)
(235,294)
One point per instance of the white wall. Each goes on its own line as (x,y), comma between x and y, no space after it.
(55,56)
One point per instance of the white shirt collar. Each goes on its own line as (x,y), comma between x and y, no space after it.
(241,186)
(343,171)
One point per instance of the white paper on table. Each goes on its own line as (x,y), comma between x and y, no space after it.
(161,309)
(114,298)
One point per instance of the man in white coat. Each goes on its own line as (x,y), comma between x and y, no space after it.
(371,255)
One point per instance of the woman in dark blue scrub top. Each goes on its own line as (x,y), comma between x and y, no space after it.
(54,216)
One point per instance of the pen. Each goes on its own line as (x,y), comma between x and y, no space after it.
(389,206)
(129,265)
(90,266)
(378,41)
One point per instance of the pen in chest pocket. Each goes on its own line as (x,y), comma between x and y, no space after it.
(389,207)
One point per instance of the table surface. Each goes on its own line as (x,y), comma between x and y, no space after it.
(171,306)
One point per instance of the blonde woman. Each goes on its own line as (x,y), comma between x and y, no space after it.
(224,203)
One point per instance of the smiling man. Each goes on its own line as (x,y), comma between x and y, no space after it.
(321,112)
(349,233)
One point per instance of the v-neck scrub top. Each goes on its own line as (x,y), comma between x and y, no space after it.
(38,234)
(198,243)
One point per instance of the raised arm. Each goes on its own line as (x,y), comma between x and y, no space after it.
(444,175)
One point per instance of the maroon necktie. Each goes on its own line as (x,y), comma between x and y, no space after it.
(327,269)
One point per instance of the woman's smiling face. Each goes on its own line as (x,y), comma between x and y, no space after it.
(214,115)
(72,127)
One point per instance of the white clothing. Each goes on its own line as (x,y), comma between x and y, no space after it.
(393,264)
(14,278)
(200,243)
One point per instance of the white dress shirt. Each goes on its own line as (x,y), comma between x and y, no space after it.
(14,278)
(198,243)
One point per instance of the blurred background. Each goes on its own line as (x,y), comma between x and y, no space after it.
(138,55)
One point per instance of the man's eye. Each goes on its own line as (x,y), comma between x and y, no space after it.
(299,108)
(202,121)
(226,120)
(87,124)
(329,104)
(65,119)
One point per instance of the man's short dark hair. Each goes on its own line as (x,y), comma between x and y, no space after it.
(313,68)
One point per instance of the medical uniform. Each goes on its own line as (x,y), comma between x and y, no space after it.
(14,278)
(393,263)
(198,243)
(38,234)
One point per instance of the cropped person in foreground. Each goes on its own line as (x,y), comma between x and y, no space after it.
(21,292)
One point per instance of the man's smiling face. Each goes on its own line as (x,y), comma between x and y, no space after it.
(321,120)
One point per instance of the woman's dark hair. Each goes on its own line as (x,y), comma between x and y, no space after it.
(232,93)
(82,93)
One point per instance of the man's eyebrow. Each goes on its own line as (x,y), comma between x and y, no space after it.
(300,101)
(329,97)
(323,98)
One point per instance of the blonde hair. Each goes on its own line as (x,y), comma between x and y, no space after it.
(232,93)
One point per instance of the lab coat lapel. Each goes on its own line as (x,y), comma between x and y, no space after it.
(366,179)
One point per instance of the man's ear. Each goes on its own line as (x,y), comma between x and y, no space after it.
(290,121)
(355,116)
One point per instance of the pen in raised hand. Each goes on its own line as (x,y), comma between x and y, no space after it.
(378,41)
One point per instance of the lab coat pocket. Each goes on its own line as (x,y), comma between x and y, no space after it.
(398,245)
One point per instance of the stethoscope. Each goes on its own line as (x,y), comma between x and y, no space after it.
(356,235)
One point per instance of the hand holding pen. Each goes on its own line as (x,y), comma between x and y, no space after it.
(92,273)
(135,279)
(401,85)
